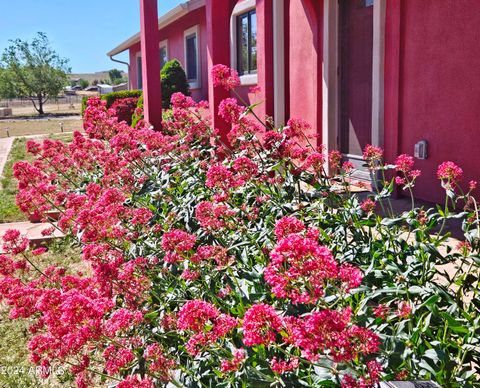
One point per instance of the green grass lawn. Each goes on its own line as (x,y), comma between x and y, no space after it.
(8,209)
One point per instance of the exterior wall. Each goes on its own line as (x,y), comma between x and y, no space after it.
(432,62)
(304,55)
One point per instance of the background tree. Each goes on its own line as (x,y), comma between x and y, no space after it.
(115,76)
(32,70)
(83,83)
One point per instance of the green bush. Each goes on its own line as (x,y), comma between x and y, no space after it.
(84,104)
(174,80)
(137,116)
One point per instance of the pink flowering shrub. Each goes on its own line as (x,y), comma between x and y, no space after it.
(241,265)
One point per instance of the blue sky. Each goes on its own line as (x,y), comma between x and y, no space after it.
(81,30)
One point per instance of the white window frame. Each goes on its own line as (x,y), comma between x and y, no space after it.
(164,43)
(139,69)
(194,83)
(240,8)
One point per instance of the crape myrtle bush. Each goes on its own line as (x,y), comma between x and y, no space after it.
(246,265)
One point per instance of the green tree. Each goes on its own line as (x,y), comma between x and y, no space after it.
(83,83)
(32,70)
(174,80)
(115,75)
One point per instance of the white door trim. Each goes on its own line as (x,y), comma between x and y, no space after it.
(379,8)
(279,62)
(330,95)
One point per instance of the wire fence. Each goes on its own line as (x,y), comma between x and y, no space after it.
(21,102)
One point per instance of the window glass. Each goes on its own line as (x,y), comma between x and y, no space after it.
(253,42)
(191,45)
(247,43)
(139,73)
(243,45)
(163,56)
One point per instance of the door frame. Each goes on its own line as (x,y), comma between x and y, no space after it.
(331,75)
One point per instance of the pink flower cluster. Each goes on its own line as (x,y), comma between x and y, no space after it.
(300,269)
(404,164)
(449,171)
(177,244)
(223,76)
(233,365)
(206,322)
(315,334)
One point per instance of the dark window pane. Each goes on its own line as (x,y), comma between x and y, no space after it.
(253,42)
(243,44)
(191,57)
(139,73)
(163,56)
(247,43)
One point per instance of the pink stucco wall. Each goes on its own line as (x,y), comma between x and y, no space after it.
(432,84)
(304,56)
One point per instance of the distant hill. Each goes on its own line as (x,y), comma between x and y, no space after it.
(90,77)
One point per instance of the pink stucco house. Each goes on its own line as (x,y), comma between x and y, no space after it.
(401,74)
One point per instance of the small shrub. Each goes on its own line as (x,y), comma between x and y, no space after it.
(84,104)
(174,80)
(138,112)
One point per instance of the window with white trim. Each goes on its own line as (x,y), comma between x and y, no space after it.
(243,41)
(163,53)
(192,60)
(247,43)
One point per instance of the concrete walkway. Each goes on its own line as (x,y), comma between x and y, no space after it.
(5,147)
(33,231)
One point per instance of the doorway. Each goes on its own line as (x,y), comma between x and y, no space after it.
(355,54)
